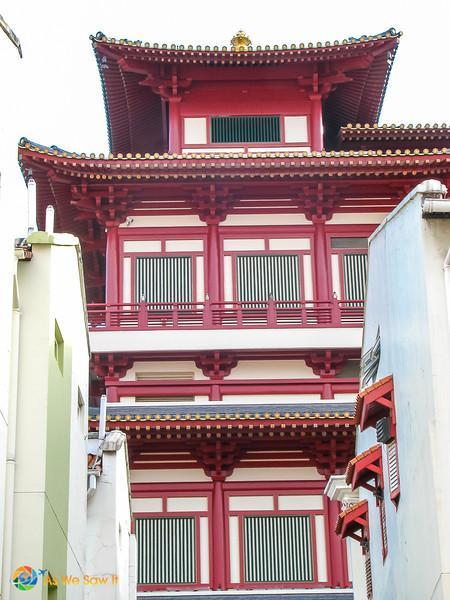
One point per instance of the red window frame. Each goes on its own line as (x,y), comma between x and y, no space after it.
(162,235)
(276,493)
(166,513)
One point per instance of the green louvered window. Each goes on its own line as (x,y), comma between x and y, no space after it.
(355,276)
(164,279)
(250,129)
(278,549)
(166,550)
(259,277)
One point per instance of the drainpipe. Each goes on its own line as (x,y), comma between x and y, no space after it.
(31,185)
(447,284)
(10,457)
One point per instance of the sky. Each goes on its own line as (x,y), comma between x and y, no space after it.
(53,94)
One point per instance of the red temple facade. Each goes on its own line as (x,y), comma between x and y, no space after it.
(225,251)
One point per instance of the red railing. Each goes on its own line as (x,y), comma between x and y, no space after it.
(225,315)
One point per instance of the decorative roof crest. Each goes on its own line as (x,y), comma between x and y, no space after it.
(240,41)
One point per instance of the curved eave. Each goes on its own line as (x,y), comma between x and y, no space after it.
(252,166)
(394,132)
(303,52)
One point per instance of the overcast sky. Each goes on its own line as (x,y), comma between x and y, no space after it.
(53,94)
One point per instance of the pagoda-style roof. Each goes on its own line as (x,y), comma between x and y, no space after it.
(133,72)
(369,137)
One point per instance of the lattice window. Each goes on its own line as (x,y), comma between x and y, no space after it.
(166,550)
(260,277)
(384,538)
(245,129)
(355,276)
(164,279)
(278,549)
(368,569)
(392,460)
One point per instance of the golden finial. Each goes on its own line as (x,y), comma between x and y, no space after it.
(240,41)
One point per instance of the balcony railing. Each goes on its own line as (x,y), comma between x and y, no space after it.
(225,315)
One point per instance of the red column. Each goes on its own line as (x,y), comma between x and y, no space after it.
(218,541)
(320,260)
(337,567)
(112,265)
(316,123)
(174,125)
(213,262)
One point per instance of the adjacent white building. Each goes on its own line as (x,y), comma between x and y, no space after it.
(402,465)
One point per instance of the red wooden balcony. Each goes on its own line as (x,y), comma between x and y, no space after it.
(225,315)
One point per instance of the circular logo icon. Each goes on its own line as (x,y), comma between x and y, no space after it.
(24,578)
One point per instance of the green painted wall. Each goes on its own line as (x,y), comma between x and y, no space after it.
(57,462)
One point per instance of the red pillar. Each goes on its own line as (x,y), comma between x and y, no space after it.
(213,262)
(112,265)
(218,541)
(337,567)
(316,123)
(320,260)
(174,125)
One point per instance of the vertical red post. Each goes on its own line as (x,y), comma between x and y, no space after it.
(218,528)
(174,125)
(213,262)
(321,262)
(316,123)
(112,265)
(111,392)
(338,571)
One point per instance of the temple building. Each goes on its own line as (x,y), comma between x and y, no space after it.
(225,249)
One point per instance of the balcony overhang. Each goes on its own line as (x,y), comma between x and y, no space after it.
(354,522)
(366,470)
(225,339)
(375,402)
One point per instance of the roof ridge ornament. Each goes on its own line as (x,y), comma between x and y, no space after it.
(240,41)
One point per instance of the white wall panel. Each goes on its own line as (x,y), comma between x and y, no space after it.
(335,275)
(200,278)
(195,130)
(307,278)
(194,504)
(250,244)
(220,150)
(126,283)
(270,398)
(168,475)
(302,502)
(271,369)
(276,474)
(321,548)
(296,129)
(279,219)
(289,244)
(204,550)
(251,503)
(235,575)
(164,221)
(227,278)
(146,505)
(184,246)
(283,149)
(354,218)
(142,246)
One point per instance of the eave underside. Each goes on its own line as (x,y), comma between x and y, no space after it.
(90,194)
